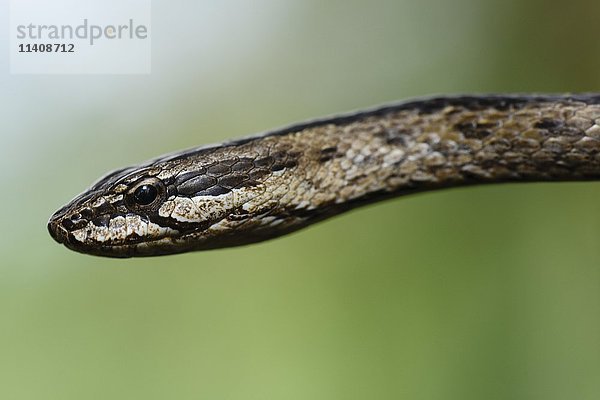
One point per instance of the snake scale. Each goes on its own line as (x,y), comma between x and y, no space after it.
(268,185)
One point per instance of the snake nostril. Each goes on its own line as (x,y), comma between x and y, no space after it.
(74,222)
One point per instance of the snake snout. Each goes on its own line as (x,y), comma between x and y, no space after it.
(57,231)
(62,223)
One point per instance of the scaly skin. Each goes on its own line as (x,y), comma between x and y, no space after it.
(265,186)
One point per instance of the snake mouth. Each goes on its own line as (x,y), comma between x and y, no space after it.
(65,225)
(62,235)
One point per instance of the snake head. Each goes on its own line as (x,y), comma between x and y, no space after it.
(116,217)
(171,207)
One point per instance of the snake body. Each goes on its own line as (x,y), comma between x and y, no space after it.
(268,185)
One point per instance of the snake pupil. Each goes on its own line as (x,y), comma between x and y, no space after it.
(145,194)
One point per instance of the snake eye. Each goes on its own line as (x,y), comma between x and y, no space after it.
(145,194)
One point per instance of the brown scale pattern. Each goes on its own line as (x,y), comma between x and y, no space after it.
(411,150)
(265,186)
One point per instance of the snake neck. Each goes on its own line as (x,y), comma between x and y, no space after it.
(441,143)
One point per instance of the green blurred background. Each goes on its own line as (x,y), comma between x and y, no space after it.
(478,293)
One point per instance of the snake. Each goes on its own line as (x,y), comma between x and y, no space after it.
(263,186)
